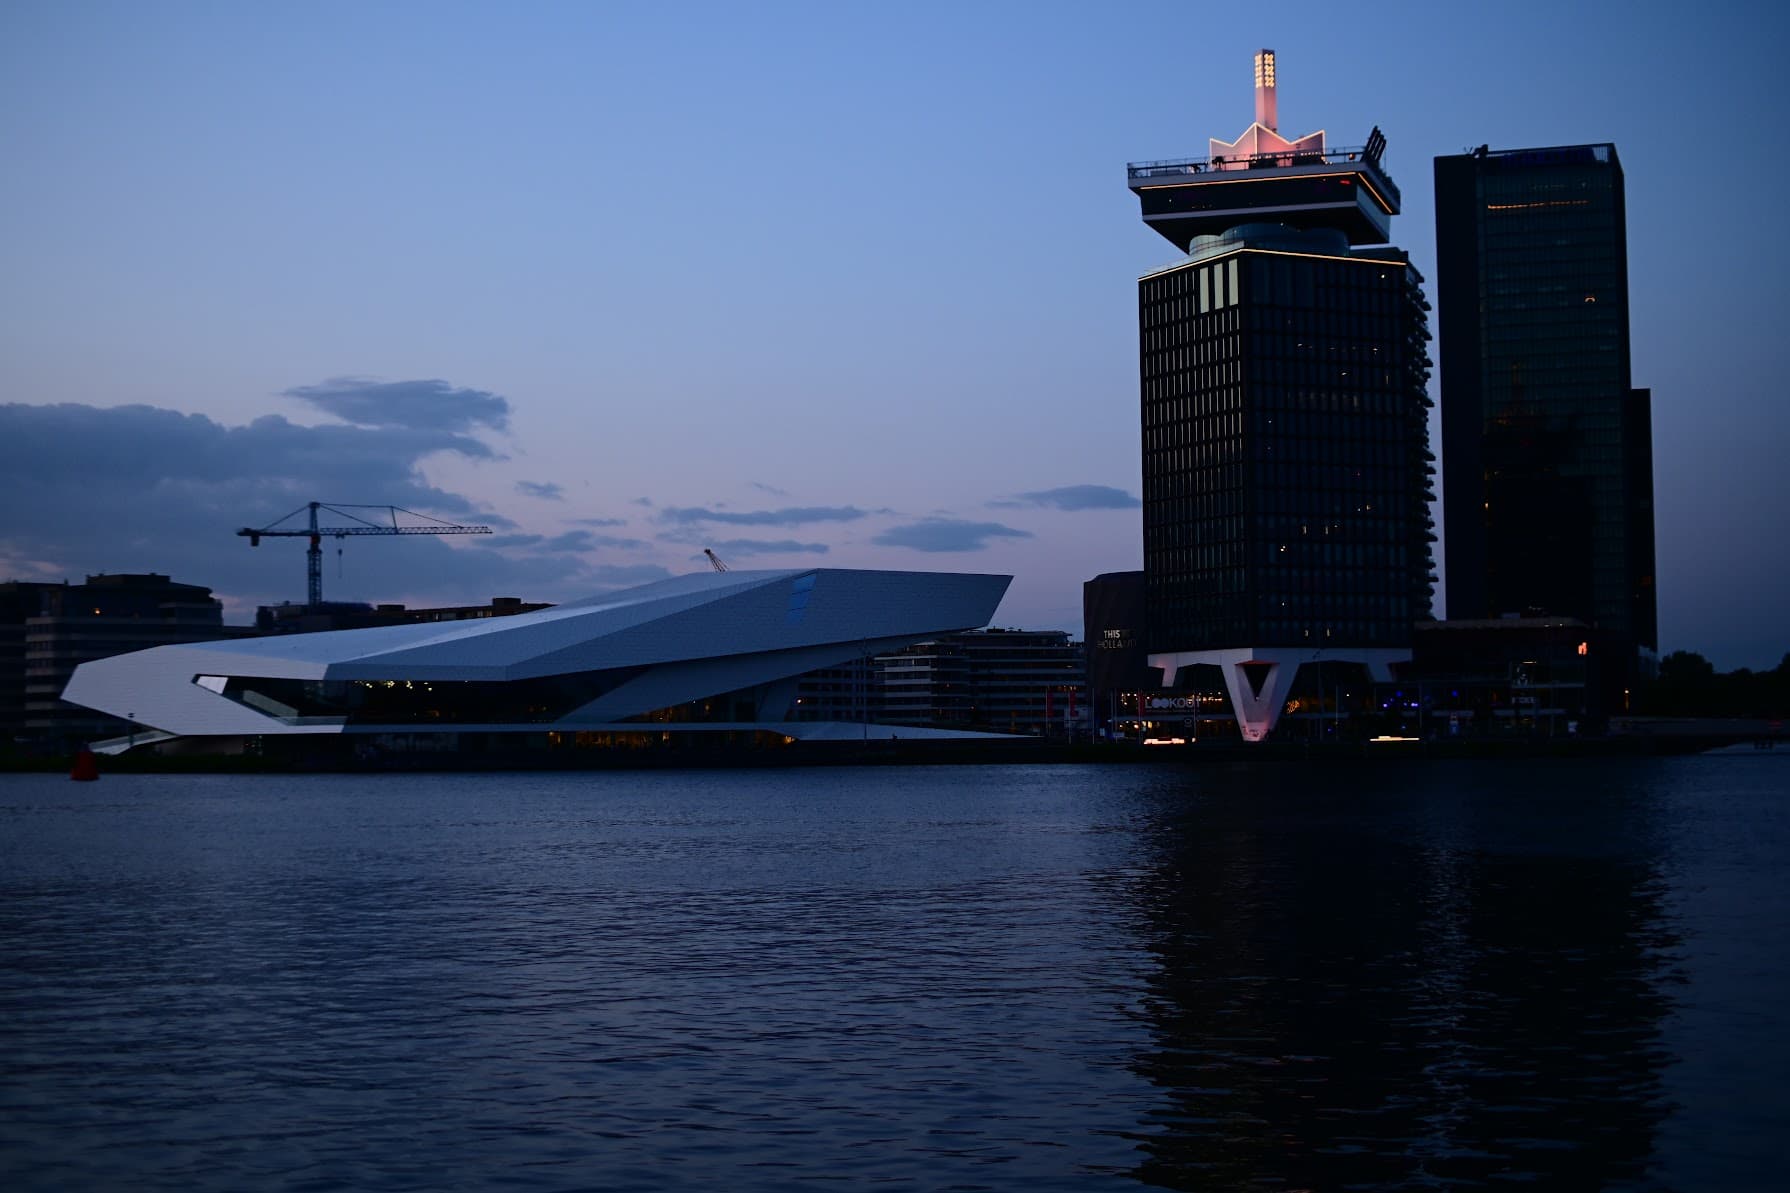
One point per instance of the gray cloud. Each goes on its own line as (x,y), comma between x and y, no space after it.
(773,490)
(599,521)
(793,516)
(545,490)
(1073,497)
(616,542)
(946,534)
(143,489)
(766,547)
(626,575)
(418,405)
(571,540)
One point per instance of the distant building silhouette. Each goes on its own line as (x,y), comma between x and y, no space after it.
(1027,682)
(1285,446)
(47,630)
(1112,608)
(355,615)
(1501,675)
(1547,450)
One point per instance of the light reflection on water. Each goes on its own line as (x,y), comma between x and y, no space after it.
(1411,976)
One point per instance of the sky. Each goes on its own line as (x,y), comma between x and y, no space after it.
(809,284)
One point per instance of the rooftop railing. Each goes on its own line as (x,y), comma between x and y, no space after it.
(1220,163)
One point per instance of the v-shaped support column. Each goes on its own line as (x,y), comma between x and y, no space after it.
(1258,690)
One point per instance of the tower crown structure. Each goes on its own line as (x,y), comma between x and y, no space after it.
(1262,176)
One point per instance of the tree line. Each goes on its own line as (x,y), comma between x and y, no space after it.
(1688,685)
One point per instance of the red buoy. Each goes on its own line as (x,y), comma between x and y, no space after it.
(86,768)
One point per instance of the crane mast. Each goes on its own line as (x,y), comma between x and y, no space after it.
(359,526)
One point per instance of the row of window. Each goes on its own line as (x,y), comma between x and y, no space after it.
(1196,377)
(1223,429)
(1368,571)
(1211,633)
(1389,460)
(1372,343)
(1199,289)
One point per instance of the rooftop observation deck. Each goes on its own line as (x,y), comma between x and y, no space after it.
(1347,189)
(1139,175)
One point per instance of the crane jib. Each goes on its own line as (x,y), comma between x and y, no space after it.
(315,532)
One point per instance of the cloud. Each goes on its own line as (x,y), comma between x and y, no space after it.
(545,490)
(766,547)
(611,542)
(946,534)
(626,575)
(145,489)
(773,490)
(599,521)
(793,516)
(584,540)
(1073,497)
(646,501)
(419,405)
(571,540)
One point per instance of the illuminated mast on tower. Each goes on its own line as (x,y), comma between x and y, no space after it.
(1262,139)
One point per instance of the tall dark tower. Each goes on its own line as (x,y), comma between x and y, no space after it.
(1547,452)
(1286,464)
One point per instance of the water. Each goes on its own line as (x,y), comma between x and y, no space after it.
(1415,976)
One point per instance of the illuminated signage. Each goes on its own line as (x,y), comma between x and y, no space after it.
(1116,640)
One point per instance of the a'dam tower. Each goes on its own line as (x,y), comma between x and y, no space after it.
(1283,369)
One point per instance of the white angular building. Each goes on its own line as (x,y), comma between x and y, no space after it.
(706,653)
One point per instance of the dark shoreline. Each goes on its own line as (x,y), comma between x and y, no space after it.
(900,753)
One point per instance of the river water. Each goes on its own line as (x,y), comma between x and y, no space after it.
(1407,975)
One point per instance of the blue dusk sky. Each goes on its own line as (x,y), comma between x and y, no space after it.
(809,284)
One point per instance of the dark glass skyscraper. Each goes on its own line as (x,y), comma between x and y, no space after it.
(1547,451)
(1284,405)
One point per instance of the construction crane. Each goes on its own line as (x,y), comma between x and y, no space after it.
(714,560)
(360,525)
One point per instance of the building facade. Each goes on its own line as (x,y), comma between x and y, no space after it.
(20,600)
(1284,374)
(1547,448)
(1024,682)
(1001,681)
(1499,676)
(51,629)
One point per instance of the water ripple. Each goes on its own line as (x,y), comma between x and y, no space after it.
(1037,977)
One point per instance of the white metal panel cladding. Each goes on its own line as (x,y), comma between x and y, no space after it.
(711,632)
(155,688)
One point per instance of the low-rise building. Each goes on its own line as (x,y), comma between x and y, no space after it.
(1501,675)
(50,629)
